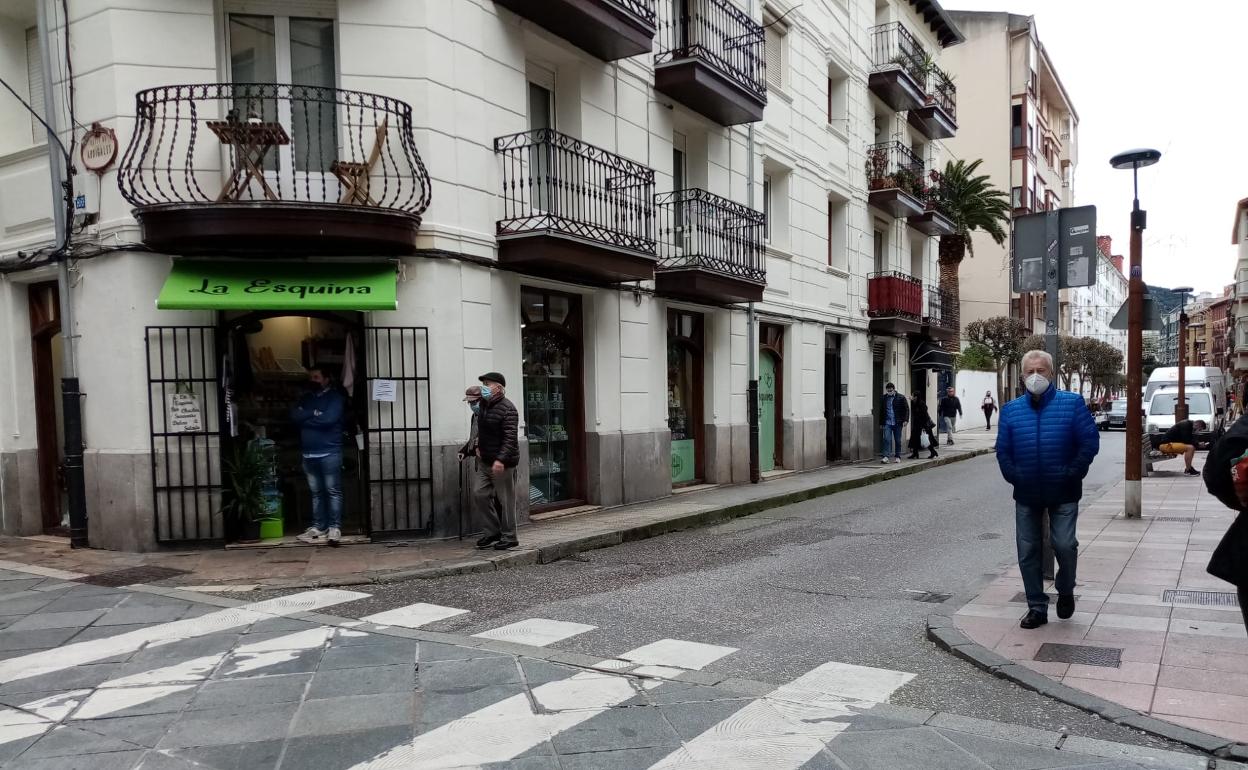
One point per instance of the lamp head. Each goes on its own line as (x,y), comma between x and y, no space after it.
(1183,290)
(1135,158)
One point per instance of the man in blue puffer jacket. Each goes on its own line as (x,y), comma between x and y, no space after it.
(1046,441)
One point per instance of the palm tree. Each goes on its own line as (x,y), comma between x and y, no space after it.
(973,204)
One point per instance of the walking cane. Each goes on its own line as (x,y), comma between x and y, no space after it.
(461,499)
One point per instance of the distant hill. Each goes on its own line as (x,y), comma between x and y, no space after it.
(1165,299)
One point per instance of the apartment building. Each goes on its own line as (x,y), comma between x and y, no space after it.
(1237,333)
(1029,145)
(1086,311)
(624,207)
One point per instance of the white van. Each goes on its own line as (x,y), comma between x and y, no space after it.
(1210,377)
(1200,406)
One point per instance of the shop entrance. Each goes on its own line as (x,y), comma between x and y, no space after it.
(45,343)
(267,361)
(554,405)
(684,394)
(770,396)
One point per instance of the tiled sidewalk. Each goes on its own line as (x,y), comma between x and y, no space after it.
(541,542)
(1181,661)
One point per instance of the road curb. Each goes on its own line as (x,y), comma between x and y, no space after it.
(525,557)
(945,635)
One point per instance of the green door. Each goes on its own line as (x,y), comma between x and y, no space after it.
(766,412)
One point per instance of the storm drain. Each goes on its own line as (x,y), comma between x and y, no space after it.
(1021,597)
(131,576)
(1185,519)
(1202,598)
(1107,657)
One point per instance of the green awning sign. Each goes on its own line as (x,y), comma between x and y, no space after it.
(213,285)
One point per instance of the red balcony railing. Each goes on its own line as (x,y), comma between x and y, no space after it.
(894,294)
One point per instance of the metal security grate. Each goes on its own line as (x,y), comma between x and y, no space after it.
(1185,519)
(1202,598)
(131,576)
(1107,657)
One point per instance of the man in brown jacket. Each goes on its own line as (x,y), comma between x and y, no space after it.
(498,453)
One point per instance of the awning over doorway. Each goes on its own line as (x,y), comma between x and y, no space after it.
(294,285)
(928,356)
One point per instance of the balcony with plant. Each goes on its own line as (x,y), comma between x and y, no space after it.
(896,183)
(935,219)
(899,67)
(937,117)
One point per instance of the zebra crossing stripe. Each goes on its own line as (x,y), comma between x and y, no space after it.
(536,632)
(787,728)
(81,653)
(414,615)
(506,729)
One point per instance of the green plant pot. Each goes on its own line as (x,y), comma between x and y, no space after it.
(271,528)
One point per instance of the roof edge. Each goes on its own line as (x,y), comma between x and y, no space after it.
(940,21)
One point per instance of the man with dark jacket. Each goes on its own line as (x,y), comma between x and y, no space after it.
(949,410)
(319,415)
(1046,441)
(894,414)
(1181,440)
(1226,478)
(498,454)
(921,423)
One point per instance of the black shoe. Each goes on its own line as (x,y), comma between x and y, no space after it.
(914,456)
(1190,472)
(1065,606)
(1032,620)
(486,542)
(506,545)
(933,455)
(948,443)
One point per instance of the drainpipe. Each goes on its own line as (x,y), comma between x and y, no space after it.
(71,398)
(751,344)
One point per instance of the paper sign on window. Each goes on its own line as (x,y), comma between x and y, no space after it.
(383,390)
(185,413)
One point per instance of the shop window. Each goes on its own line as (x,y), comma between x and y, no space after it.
(553,400)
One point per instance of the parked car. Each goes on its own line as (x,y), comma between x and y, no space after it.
(1116,416)
(1200,406)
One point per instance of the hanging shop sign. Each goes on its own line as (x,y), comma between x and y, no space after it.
(99,148)
(294,285)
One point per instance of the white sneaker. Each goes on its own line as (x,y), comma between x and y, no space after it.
(310,536)
(334,536)
(897,460)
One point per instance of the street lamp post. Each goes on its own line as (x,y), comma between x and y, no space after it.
(1134,160)
(1180,406)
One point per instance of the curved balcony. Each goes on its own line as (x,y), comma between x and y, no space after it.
(895,183)
(711,60)
(937,117)
(263,168)
(710,248)
(608,29)
(894,303)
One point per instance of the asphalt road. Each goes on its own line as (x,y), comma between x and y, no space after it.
(837,578)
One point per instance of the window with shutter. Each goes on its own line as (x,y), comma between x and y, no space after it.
(774,51)
(34,81)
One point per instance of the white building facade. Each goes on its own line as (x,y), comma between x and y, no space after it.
(572,196)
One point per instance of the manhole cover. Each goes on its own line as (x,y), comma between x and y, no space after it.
(132,575)
(1192,519)
(1021,597)
(1108,657)
(1203,598)
(989,536)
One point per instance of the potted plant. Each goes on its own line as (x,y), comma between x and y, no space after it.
(243,500)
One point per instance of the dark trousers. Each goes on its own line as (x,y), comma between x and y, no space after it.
(916,440)
(1243,604)
(988,418)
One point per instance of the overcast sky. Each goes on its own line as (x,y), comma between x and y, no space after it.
(1155,73)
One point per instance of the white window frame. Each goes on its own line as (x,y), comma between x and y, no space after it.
(780,31)
(34,85)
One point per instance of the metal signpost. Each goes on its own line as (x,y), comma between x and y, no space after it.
(1054,250)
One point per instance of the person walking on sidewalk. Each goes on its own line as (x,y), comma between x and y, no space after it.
(319,414)
(498,454)
(989,406)
(949,410)
(1046,442)
(896,415)
(1226,478)
(921,423)
(1180,440)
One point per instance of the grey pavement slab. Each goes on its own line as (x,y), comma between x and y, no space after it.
(37,639)
(439,708)
(73,741)
(74,678)
(47,617)
(120,616)
(243,665)
(914,748)
(353,713)
(73,602)
(116,760)
(283,688)
(342,750)
(1004,755)
(371,680)
(397,651)
(432,651)
(467,673)
(142,730)
(620,728)
(223,726)
(623,759)
(260,755)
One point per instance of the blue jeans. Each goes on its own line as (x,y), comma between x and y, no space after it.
(325,483)
(892,438)
(1030,537)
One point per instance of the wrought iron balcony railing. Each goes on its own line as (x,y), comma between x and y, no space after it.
(718,33)
(702,230)
(894,165)
(942,311)
(553,183)
(942,91)
(894,294)
(226,143)
(895,47)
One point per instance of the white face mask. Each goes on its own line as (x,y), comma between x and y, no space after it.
(1036,384)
